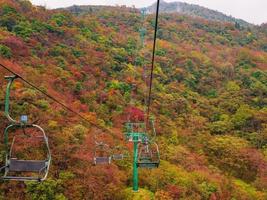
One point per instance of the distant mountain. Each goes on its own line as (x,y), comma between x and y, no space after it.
(195,11)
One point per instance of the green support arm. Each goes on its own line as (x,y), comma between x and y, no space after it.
(7,98)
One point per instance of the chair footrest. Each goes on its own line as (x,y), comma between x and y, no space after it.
(9,178)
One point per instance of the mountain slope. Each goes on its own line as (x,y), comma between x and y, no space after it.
(209,100)
(195,11)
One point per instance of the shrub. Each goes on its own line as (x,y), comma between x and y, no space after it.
(142,194)
(59,19)
(47,190)
(17,46)
(233,154)
(9,17)
(5,51)
(43,104)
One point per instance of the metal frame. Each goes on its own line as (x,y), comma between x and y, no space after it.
(102,147)
(137,133)
(8,150)
(47,161)
(153,160)
(119,153)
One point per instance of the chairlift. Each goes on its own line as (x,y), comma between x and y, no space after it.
(102,154)
(148,156)
(36,170)
(119,153)
(23,169)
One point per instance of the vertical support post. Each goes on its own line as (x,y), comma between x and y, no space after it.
(135,169)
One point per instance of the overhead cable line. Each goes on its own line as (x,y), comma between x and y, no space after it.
(54,99)
(153,61)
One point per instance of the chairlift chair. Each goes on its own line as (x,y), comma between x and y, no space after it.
(37,170)
(148,156)
(119,153)
(102,154)
(23,169)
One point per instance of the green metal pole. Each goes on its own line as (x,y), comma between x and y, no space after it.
(135,169)
(7,97)
(7,101)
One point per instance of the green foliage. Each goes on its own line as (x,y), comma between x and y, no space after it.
(43,104)
(232,86)
(207,189)
(242,115)
(160,52)
(23,29)
(160,178)
(120,54)
(58,50)
(77,53)
(66,175)
(78,87)
(48,190)
(60,19)
(6,9)
(38,26)
(249,190)
(5,51)
(9,17)
(142,194)
(123,87)
(220,127)
(227,153)
(79,132)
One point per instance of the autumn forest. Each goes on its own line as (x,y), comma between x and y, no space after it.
(209,101)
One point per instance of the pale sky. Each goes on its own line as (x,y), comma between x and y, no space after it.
(252,11)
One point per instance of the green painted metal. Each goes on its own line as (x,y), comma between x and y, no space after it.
(142,33)
(7,101)
(135,167)
(136,133)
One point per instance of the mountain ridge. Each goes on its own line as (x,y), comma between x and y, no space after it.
(179,7)
(196,11)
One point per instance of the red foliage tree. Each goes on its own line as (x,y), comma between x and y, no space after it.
(17,46)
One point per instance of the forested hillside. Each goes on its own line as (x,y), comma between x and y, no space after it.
(195,11)
(209,101)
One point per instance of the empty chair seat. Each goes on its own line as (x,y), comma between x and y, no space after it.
(117,157)
(27,165)
(102,160)
(148,164)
